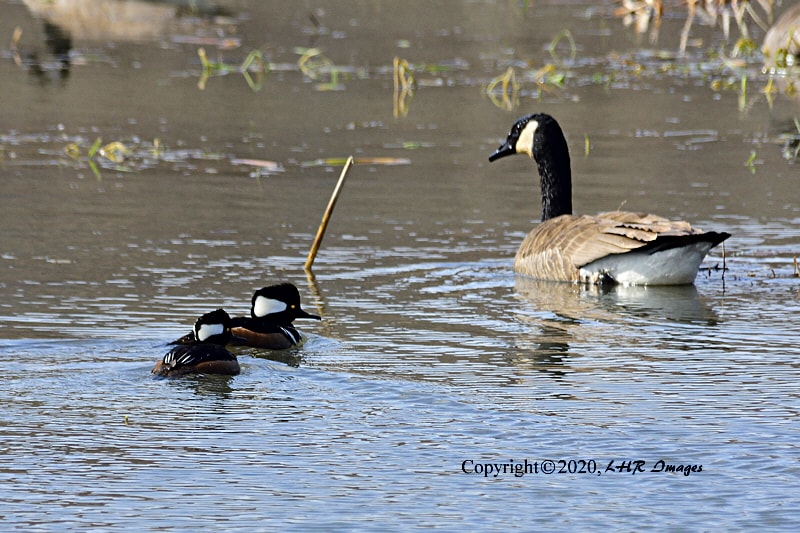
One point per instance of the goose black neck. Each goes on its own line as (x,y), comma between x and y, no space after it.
(552,159)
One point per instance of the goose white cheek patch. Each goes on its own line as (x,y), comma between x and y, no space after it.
(266,306)
(208,330)
(525,140)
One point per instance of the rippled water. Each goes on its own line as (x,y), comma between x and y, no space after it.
(433,360)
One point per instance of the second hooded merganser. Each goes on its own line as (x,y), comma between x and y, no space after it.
(204,352)
(272,311)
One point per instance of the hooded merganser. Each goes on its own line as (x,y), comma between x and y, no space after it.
(205,352)
(272,311)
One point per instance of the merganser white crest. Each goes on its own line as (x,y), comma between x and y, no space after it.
(263,306)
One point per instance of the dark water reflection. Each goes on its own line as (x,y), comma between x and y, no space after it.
(430,352)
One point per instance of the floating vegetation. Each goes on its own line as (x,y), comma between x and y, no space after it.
(115,152)
(134,155)
(252,64)
(404,85)
(315,65)
(508,98)
(553,47)
(744,47)
(128,155)
(721,67)
(332,85)
(260,163)
(406,82)
(259,168)
(769,91)
(743,94)
(409,145)
(15,39)
(549,78)
(313,62)
(73,151)
(339,161)
(223,43)
(752,161)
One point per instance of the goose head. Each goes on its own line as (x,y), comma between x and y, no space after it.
(540,137)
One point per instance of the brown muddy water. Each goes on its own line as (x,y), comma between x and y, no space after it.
(140,189)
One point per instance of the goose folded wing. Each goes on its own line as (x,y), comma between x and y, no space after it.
(585,239)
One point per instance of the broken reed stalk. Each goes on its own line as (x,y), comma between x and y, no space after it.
(312,254)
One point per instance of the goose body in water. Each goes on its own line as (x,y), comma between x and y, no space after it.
(615,247)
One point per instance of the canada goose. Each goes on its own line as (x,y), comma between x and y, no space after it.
(617,247)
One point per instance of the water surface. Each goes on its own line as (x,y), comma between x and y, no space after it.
(431,352)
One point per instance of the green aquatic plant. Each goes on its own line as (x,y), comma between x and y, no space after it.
(73,151)
(253,59)
(509,90)
(115,151)
(312,62)
(314,65)
(130,155)
(751,162)
(743,94)
(253,63)
(744,47)
(404,86)
(553,47)
(548,78)
(769,91)
(782,57)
